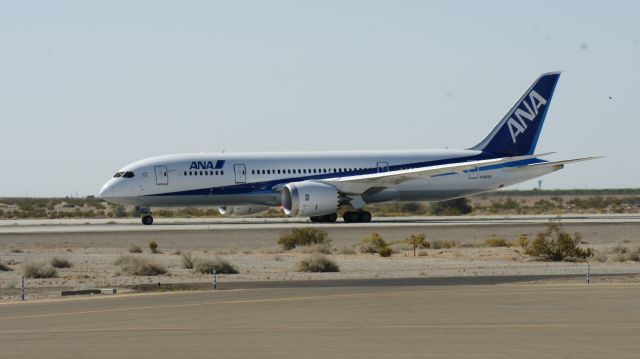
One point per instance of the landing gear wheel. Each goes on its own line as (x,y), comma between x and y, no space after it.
(327,218)
(364,217)
(357,217)
(147,220)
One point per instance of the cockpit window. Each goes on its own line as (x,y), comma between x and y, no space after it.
(128,174)
(119,174)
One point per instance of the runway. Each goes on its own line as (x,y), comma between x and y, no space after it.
(209,224)
(503,321)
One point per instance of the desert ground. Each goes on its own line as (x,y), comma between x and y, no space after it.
(257,256)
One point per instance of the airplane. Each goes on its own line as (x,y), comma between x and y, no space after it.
(320,184)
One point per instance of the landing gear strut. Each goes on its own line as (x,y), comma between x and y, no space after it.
(357,216)
(327,218)
(147,220)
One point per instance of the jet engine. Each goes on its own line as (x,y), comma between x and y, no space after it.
(308,198)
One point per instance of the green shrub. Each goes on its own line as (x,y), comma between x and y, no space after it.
(57,262)
(303,237)
(417,241)
(153,246)
(208,265)
(131,265)
(385,252)
(555,244)
(39,270)
(372,244)
(187,261)
(4,268)
(317,263)
(135,249)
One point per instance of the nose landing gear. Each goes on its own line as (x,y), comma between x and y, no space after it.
(145,213)
(147,220)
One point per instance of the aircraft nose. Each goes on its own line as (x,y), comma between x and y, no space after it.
(106,191)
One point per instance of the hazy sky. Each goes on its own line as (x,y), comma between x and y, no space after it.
(87,87)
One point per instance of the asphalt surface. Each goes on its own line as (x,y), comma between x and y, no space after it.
(503,321)
(209,224)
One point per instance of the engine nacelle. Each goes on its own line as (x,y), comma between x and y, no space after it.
(241,210)
(308,198)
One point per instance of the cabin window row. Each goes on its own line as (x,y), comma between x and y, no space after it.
(204,173)
(306,171)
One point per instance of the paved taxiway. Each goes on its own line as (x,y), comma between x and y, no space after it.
(504,321)
(207,224)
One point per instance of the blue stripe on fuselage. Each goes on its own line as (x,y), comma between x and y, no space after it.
(267,186)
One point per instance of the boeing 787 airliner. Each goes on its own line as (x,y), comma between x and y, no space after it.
(318,184)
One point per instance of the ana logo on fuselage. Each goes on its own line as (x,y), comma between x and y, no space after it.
(518,125)
(202,165)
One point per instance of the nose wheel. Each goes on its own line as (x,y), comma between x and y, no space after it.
(147,220)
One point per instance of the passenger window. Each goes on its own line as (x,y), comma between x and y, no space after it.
(222,173)
(195,173)
(278,171)
(185,173)
(211,173)
(190,173)
(304,170)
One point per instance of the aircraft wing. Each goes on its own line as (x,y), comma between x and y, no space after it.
(557,165)
(378,181)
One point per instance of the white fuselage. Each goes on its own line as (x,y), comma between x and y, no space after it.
(224,179)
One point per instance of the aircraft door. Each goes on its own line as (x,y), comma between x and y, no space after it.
(162,175)
(473,173)
(383,167)
(241,173)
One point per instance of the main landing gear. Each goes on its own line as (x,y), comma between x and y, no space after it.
(327,218)
(349,217)
(357,217)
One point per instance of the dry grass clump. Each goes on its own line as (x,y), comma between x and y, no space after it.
(317,264)
(131,265)
(135,249)
(622,253)
(496,242)
(385,252)
(153,246)
(5,268)
(304,237)
(58,262)
(15,250)
(345,250)
(187,261)
(39,270)
(323,248)
(443,244)
(372,243)
(208,265)
(601,256)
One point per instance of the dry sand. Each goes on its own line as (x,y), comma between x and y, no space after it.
(257,256)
